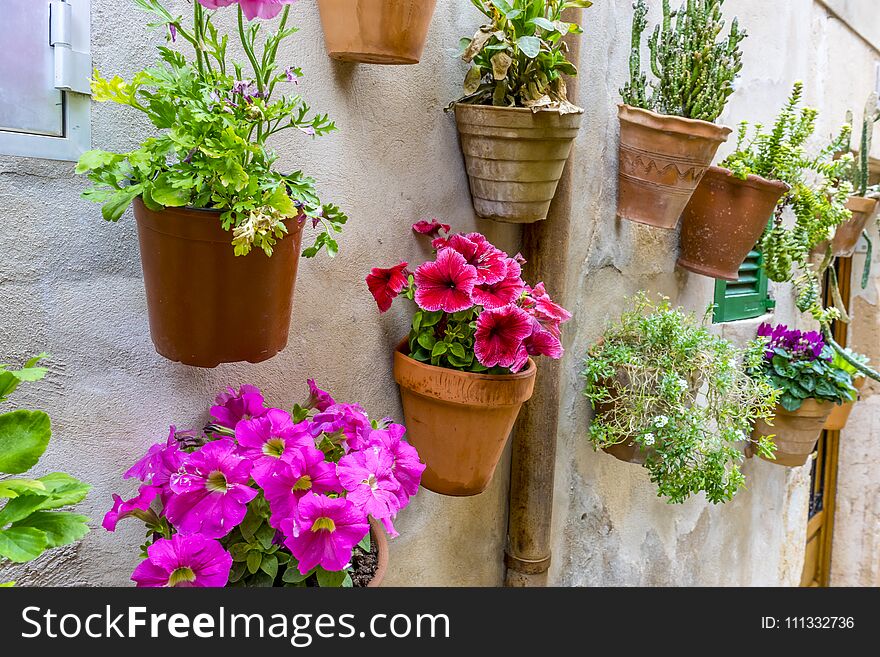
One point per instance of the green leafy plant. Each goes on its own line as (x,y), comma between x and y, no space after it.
(660,380)
(215,121)
(858,173)
(30,523)
(693,70)
(842,361)
(519,57)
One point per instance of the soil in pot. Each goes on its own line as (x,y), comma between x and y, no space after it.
(459,421)
(840,414)
(796,433)
(207,306)
(514,158)
(376,31)
(724,220)
(662,160)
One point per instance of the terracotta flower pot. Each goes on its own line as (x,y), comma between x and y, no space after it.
(840,414)
(514,158)
(459,421)
(662,160)
(848,233)
(377,533)
(795,433)
(376,31)
(724,220)
(206,305)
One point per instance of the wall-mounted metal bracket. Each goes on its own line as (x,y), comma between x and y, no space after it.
(72,68)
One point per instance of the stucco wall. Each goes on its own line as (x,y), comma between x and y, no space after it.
(71,284)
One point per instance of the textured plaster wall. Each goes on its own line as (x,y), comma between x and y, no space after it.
(72,285)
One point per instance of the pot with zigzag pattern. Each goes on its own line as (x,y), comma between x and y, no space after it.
(662,160)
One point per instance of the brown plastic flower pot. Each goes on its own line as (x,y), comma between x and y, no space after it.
(459,421)
(723,220)
(377,533)
(376,31)
(206,305)
(840,414)
(514,158)
(662,160)
(795,433)
(848,233)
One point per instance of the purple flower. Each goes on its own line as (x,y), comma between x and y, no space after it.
(370,482)
(406,466)
(184,561)
(319,399)
(137,506)
(267,439)
(347,419)
(290,75)
(232,407)
(262,8)
(158,464)
(798,344)
(211,491)
(172,32)
(305,470)
(309,130)
(325,532)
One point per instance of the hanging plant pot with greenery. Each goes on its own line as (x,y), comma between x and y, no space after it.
(839,417)
(515,124)
(376,31)
(676,399)
(668,137)
(206,180)
(801,367)
(466,368)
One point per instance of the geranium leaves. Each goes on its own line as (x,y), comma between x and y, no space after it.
(24,436)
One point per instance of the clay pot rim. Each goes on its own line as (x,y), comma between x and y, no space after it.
(673,124)
(378,534)
(203,211)
(753,180)
(863,204)
(810,407)
(527,373)
(515,110)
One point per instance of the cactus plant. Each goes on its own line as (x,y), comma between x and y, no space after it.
(858,173)
(694,70)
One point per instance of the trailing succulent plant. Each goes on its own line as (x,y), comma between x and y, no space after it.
(694,70)
(519,57)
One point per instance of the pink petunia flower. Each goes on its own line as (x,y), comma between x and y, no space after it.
(318,399)
(386,284)
(266,9)
(370,482)
(445,284)
(349,420)
(500,334)
(489,261)
(184,561)
(305,470)
(211,491)
(543,343)
(267,439)
(232,407)
(136,507)
(406,467)
(431,228)
(502,293)
(325,532)
(158,464)
(216,4)
(550,314)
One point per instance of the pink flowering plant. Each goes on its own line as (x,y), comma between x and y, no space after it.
(475,311)
(263,497)
(215,119)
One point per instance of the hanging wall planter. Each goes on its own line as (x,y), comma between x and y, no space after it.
(662,160)
(848,233)
(206,305)
(514,158)
(839,417)
(724,219)
(376,31)
(795,433)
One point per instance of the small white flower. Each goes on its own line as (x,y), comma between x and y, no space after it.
(649,439)
(661,421)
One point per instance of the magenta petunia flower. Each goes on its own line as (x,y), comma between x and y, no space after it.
(500,333)
(211,491)
(445,284)
(502,293)
(305,470)
(431,228)
(266,9)
(216,4)
(318,399)
(406,467)
(543,343)
(137,506)
(370,482)
(349,420)
(267,439)
(232,407)
(325,532)
(489,261)
(550,314)
(184,561)
(386,284)
(158,464)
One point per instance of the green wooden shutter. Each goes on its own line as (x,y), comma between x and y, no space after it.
(746,297)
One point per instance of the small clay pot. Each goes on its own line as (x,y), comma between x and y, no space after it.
(846,238)
(377,533)
(207,306)
(841,412)
(795,433)
(662,160)
(514,158)
(724,220)
(376,31)
(459,421)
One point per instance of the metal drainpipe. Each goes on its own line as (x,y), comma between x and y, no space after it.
(545,246)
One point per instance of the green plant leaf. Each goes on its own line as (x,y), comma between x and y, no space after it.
(60,527)
(365,543)
(254,559)
(20,508)
(22,544)
(530,46)
(326,579)
(64,490)
(269,565)
(24,436)
(292,574)
(10,488)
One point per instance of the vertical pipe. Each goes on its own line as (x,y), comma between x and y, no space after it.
(545,246)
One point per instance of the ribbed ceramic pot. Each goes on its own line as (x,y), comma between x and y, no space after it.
(514,158)
(796,433)
(376,31)
(724,220)
(206,305)
(662,160)
(459,421)
(840,414)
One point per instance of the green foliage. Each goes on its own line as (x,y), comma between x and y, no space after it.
(212,150)
(858,173)
(843,361)
(799,378)
(660,380)
(693,71)
(29,522)
(518,58)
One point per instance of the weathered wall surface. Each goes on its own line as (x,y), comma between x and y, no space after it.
(72,285)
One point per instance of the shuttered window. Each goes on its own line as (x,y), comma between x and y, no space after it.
(745,298)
